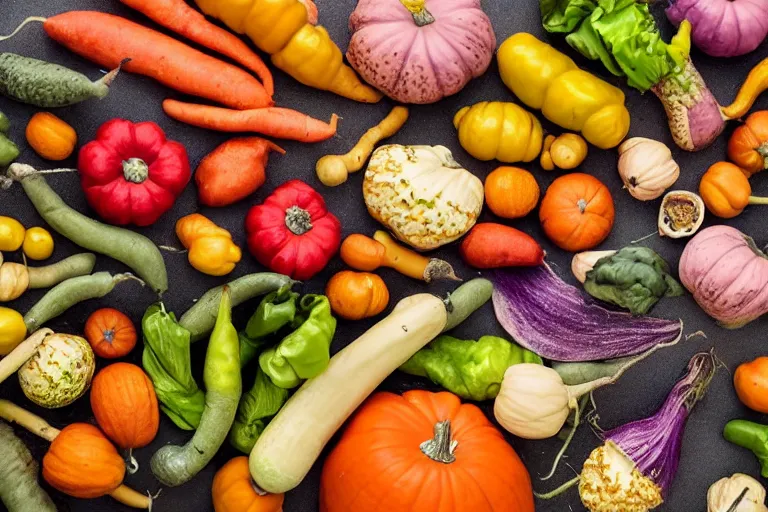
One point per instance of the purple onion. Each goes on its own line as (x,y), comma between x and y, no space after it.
(723,28)
(653,443)
(548,316)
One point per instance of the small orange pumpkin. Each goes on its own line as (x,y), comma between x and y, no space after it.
(357,295)
(751,383)
(233,490)
(726,191)
(748,146)
(125,405)
(50,137)
(577,212)
(110,333)
(511,192)
(423,451)
(82,463)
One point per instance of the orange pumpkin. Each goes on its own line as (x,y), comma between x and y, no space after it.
(50,137)
(423,451)
(233,490)
(357,295)
(125,405)
(511,192)
(110,333)
(751,383)
(577,212)
(81,462)
(748,146)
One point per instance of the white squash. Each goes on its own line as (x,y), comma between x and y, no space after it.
(646,167)
(422,194)
(723,493)
(293,440)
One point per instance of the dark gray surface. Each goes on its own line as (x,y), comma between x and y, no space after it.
(706,456)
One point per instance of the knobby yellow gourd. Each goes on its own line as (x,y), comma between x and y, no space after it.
(497,130)
(545,79)
(211,249)
(304,51)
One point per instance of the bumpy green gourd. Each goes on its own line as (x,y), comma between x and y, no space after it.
(48,85)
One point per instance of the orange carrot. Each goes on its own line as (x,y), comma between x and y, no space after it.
(107,40)
(277,122)
(178,16)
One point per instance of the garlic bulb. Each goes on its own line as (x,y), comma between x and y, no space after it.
(646,167)
(681,214)
(723,494)
(583,262)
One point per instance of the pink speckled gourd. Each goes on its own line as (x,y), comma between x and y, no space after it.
(727,275)
(419,51)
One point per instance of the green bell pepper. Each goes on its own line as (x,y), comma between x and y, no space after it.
(275,311)
(167,361)
(305,352)
(753,437)
(634,278)
(257,407)
(470,369)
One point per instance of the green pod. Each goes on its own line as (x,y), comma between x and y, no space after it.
(276,310)
(5,123)
(51,275)
(465,300)
(8,151)
(46,85)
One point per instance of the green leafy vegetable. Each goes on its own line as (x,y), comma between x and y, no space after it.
(471,369)
(167,360)
(305,352)
(634,278)
(275,311)
(257,407)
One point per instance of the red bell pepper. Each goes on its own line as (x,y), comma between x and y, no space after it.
(292,232)
(131,173)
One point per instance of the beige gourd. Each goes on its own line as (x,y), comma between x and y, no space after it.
(647,168)
(723,493)
(293,440)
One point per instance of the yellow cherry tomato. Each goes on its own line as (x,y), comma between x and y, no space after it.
(11,234)
(12,330)
(38,244)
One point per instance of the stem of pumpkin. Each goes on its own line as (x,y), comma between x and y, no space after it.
(582,204)
(421,16)
(131,464)
(762,149)
(440,448)
(758,200)
(298,220)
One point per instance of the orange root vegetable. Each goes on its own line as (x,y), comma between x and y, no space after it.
(178,16)
(491,245)
(234,170)
(753,86)
(367,254)
(107,40)
(277,122)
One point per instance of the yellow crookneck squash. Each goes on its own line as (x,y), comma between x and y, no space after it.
(304,51)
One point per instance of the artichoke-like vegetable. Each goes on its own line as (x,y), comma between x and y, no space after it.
(634,278)
(422,194)
(60,372)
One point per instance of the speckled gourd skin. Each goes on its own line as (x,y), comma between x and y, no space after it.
(44,84)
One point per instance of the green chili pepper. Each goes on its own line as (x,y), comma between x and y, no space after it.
(752,436)
(470,369)
(8,151)
(275,311)
(167,360)
(305,352)
(257,407)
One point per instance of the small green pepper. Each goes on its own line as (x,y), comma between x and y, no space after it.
(5,123)
(257,407)
(470,369)
(275,311)
(753,437)
(8,151)
(305,352)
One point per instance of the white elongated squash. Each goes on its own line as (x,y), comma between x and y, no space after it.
(293,440)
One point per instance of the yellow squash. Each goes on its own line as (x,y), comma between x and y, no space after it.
(211,249)
(498,130)
(545,79)
(304,51)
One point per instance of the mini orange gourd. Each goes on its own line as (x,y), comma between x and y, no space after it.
(233,490)
(577,212)
(511,192)
(50,137)
(454,459)
(82,463)
(748,146)
(125,405)
(751,383)
(110,333)
(357,295)
(726,191)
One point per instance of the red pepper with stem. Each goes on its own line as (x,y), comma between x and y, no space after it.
(131,174)
(292,232)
